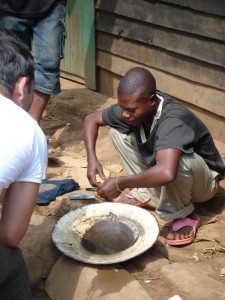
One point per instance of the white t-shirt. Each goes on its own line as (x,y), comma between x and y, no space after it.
(23,146)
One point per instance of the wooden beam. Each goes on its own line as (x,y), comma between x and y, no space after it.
(201,96)
(185,67)
(203,49)
(216,7)
(169,16)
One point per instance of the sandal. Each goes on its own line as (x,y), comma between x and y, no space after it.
(180,223)
(53,152)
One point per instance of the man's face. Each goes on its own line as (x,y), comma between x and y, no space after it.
(135,109)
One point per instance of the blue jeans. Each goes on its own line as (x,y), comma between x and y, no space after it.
(46,38)
(14,281)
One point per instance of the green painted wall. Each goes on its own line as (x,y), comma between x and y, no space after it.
(79,61)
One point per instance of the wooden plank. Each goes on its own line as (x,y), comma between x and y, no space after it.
(166,61)
(108,83)
(201,96)
(167,16)
(206,50)
(216,7)
(125,27)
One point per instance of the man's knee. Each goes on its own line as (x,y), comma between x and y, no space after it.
(14,281)
(11,260)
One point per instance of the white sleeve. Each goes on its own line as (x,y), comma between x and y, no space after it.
(23,158)
(38,156)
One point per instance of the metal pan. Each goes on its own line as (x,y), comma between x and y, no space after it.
(105,233)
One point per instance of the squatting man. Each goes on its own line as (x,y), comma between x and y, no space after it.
(168,153)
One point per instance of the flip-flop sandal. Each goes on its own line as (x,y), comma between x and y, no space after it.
(180,223)
(54,152)
(129,199)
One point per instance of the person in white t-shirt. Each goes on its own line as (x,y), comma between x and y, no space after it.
(23,154)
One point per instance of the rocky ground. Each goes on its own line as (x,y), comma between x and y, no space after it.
(194,272)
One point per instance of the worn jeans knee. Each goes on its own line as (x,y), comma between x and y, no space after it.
(48,44)
(46,38)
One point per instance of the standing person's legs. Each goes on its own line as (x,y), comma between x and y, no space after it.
(48,49)
(14,281)
(127,148)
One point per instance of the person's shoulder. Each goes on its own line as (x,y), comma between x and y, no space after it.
(8,107)
(15,120)
(170,103)
(113,108)
(164,95)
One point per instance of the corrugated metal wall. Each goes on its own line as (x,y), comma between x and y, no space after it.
(181,42)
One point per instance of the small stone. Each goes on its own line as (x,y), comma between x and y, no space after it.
(222,272)
(147,281)
(175,297)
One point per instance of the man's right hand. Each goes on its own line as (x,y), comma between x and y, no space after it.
(94,169)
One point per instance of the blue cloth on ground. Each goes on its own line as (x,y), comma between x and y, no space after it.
(50,189)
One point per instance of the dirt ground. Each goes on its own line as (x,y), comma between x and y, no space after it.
(62,123)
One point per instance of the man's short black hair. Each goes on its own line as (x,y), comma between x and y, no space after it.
(139,81)
(15,61)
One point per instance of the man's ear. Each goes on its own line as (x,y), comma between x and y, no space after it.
(19,92)
(152,97)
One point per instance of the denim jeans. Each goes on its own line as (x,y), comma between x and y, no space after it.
(14,281)
(46,38)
